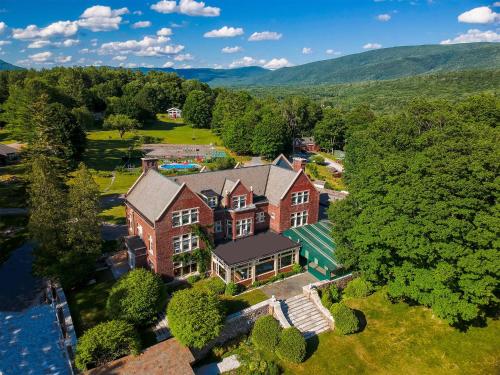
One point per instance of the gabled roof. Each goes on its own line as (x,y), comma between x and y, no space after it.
(7,150)
(282,161)
(279,182)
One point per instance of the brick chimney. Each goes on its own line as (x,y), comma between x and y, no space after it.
(298,164)
(149,163)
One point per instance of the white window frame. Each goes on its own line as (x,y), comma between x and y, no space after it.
(185,243)
(185,217)
(300,197)
(283,255)
(212,202)
(244,227)
(150,240)
(298,219)
(239,201)
(130,221)
(139,230)
(218,226)
(260,217)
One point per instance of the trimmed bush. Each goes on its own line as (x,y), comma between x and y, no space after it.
(231,289)
(266,333)
(345,320)
(213,285)
(193,278)
(296,268)
(106,342)
(292,346)
(326,298)
(358,288)
(137,297)
(195,316)
(335,293)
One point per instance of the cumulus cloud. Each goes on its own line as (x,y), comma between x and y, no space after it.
(231,49)
(184,57)
(141,24)
(333,52)
(168,64)
(265,35)
(277,63)
(164,31)
(41,57)
(224,32)
(56,29)
(307,50)
(384,17)
(3,27)
(120,58)
(481,15)
(474,35)
(372,46)
(187,7)
(63,59)
(42,43)
(4,42)
(101,18)
(148,46)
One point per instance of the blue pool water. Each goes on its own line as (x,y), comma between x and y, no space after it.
(179,166)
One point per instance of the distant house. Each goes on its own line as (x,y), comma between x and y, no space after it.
(306,144)
(8,154)
(174,113)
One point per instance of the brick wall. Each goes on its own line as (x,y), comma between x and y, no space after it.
(147,230)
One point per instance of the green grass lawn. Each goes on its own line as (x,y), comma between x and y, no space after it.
(242,301)
(399,339)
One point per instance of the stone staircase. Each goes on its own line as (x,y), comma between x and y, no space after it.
(305,316)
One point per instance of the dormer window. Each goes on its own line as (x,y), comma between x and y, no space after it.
(239,201)
(212,202)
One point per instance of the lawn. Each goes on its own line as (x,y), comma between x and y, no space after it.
(242,301)
(325,175)
(400,339)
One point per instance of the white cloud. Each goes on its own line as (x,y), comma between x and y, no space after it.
(63,59)
(3,27)
(59,28)
(94,42)
(372,46)
(70,42)
(224,32)
(40,57)
(496,4)
(146,65)
(137,12)
(42,43)
(231,49)
(168,64)
(141,24)
(4,42)
(187,7)
(39,43)
(265,35)
(131,65)
(120,58)
(148,46)
(384,17)
(184,57)
(307,50)
(164,31)
(277,63)
(481,15)
(101,18)
(333,52)
(474,35)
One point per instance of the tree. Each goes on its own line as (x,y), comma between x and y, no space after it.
(83,229)
(237,132)
(120,122)
(271,135)
(329,132)
(266,333)
(422,211)
(195,317)
(292,346)
(197,110)
(137,297)
(301,115)
(106,342)
(358,288)
(228,105)
(345,320)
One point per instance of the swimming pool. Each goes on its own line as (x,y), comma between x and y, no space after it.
(179,166)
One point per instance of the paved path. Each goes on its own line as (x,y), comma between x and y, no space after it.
(13,211)
(227,364)
(113,231)
(337,166)
(161,329)
(289,287)
(256,160)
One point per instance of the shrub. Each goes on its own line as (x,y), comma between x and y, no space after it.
(106,342)
(326,298)
(292,346)
(358,288)
(231,289)
(195,316)
(193,278)
(214,285)
(266,333)
(345,320)
(137,297)
(335,293)
(318,159)
(296,268)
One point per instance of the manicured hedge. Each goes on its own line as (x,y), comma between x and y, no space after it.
(330,295)
(231,289)
(137,297)
(214,285)
(358,288)
(266,333)
(106,342)
(345,320)
(292,346)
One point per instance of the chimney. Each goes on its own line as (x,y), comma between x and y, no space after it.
(149,163)
(251,195)
(298,164)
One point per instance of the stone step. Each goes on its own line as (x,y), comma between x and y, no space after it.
(295,298)
(302,311)
(312,315)
(308,335)
(312,326)
(297,302)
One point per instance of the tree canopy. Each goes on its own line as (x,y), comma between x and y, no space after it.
(197,110)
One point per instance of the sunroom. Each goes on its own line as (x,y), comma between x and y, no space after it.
(254,258)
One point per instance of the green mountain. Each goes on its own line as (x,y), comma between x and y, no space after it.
(6,66)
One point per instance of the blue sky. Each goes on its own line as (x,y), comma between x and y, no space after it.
(230,33)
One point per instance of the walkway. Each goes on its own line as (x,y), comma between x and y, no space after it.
(227,364)
(161,330)
(333,164)
(289,287)
(305,316)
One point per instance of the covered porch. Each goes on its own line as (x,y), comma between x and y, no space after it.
(254,258)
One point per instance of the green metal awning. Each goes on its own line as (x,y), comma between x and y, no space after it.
(317,247)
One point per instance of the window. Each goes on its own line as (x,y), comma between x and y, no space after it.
(151,245)
(212,202)
(243,227)
(260,217)
(300,197)
(184,217)
(183,269)
(298,219)
(218,226)
(229,228)
(265,265)
(139,230)
(239,201)
(286,259)
(130,222)
(219,269)
(186,242)
(242,273)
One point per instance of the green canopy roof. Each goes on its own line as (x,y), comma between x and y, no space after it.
(317,247)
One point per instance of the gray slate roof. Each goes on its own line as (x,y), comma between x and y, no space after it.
(6,150)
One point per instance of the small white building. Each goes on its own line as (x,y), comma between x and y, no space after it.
(174,113)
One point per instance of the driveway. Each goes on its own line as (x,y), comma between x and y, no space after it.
(333,164)
(289,287)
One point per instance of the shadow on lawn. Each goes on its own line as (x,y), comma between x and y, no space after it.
(362,320)
(106,155)
(312,346)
